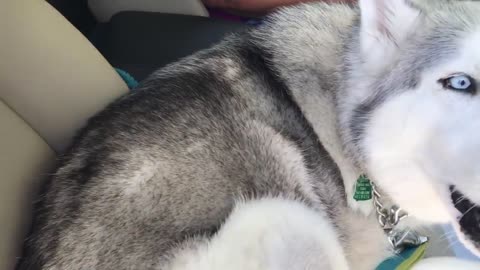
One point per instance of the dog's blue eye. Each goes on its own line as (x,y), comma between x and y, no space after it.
(460,82)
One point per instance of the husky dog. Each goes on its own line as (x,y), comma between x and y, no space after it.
(245,155)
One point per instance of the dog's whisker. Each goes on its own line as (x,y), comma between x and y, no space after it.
(447,236)
(452,243)
(470,209)
(461,199)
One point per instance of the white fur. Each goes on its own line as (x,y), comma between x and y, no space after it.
(414,139)
(281,234)
(395,139)
(446,264)
(366,245)
(424,140)
(269,234)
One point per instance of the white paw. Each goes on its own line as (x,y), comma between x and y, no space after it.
(269,234)
(280,234)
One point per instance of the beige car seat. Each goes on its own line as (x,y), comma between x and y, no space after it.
(51,80)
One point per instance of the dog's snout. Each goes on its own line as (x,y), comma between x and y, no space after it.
(469,219)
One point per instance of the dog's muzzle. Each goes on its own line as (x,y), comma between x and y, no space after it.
(470,216)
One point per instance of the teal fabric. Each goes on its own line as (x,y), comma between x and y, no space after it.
(396,262)
(129,80)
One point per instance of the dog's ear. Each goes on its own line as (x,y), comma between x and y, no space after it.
(385,24)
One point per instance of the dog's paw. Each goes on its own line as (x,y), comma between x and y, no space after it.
(269,233)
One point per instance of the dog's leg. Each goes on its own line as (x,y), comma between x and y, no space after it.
(268,234)
(446,263)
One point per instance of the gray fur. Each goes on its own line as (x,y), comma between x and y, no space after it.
(160,169)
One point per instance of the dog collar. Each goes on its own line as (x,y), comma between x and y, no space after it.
(388,218)
(408,245)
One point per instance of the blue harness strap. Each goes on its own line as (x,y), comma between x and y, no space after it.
(127,78)
(405,260)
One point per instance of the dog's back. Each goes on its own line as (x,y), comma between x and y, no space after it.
(168,162)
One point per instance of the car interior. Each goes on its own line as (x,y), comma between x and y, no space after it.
(65,60)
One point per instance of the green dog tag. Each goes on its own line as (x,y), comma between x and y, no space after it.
(363,189)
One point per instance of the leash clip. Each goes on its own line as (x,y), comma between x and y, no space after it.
(400,240)
(388,218)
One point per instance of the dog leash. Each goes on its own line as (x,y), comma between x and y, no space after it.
(409,246)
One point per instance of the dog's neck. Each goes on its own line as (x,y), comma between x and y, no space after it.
(312,75)
(319,109)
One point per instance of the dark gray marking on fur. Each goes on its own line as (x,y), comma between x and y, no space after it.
(315,153)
